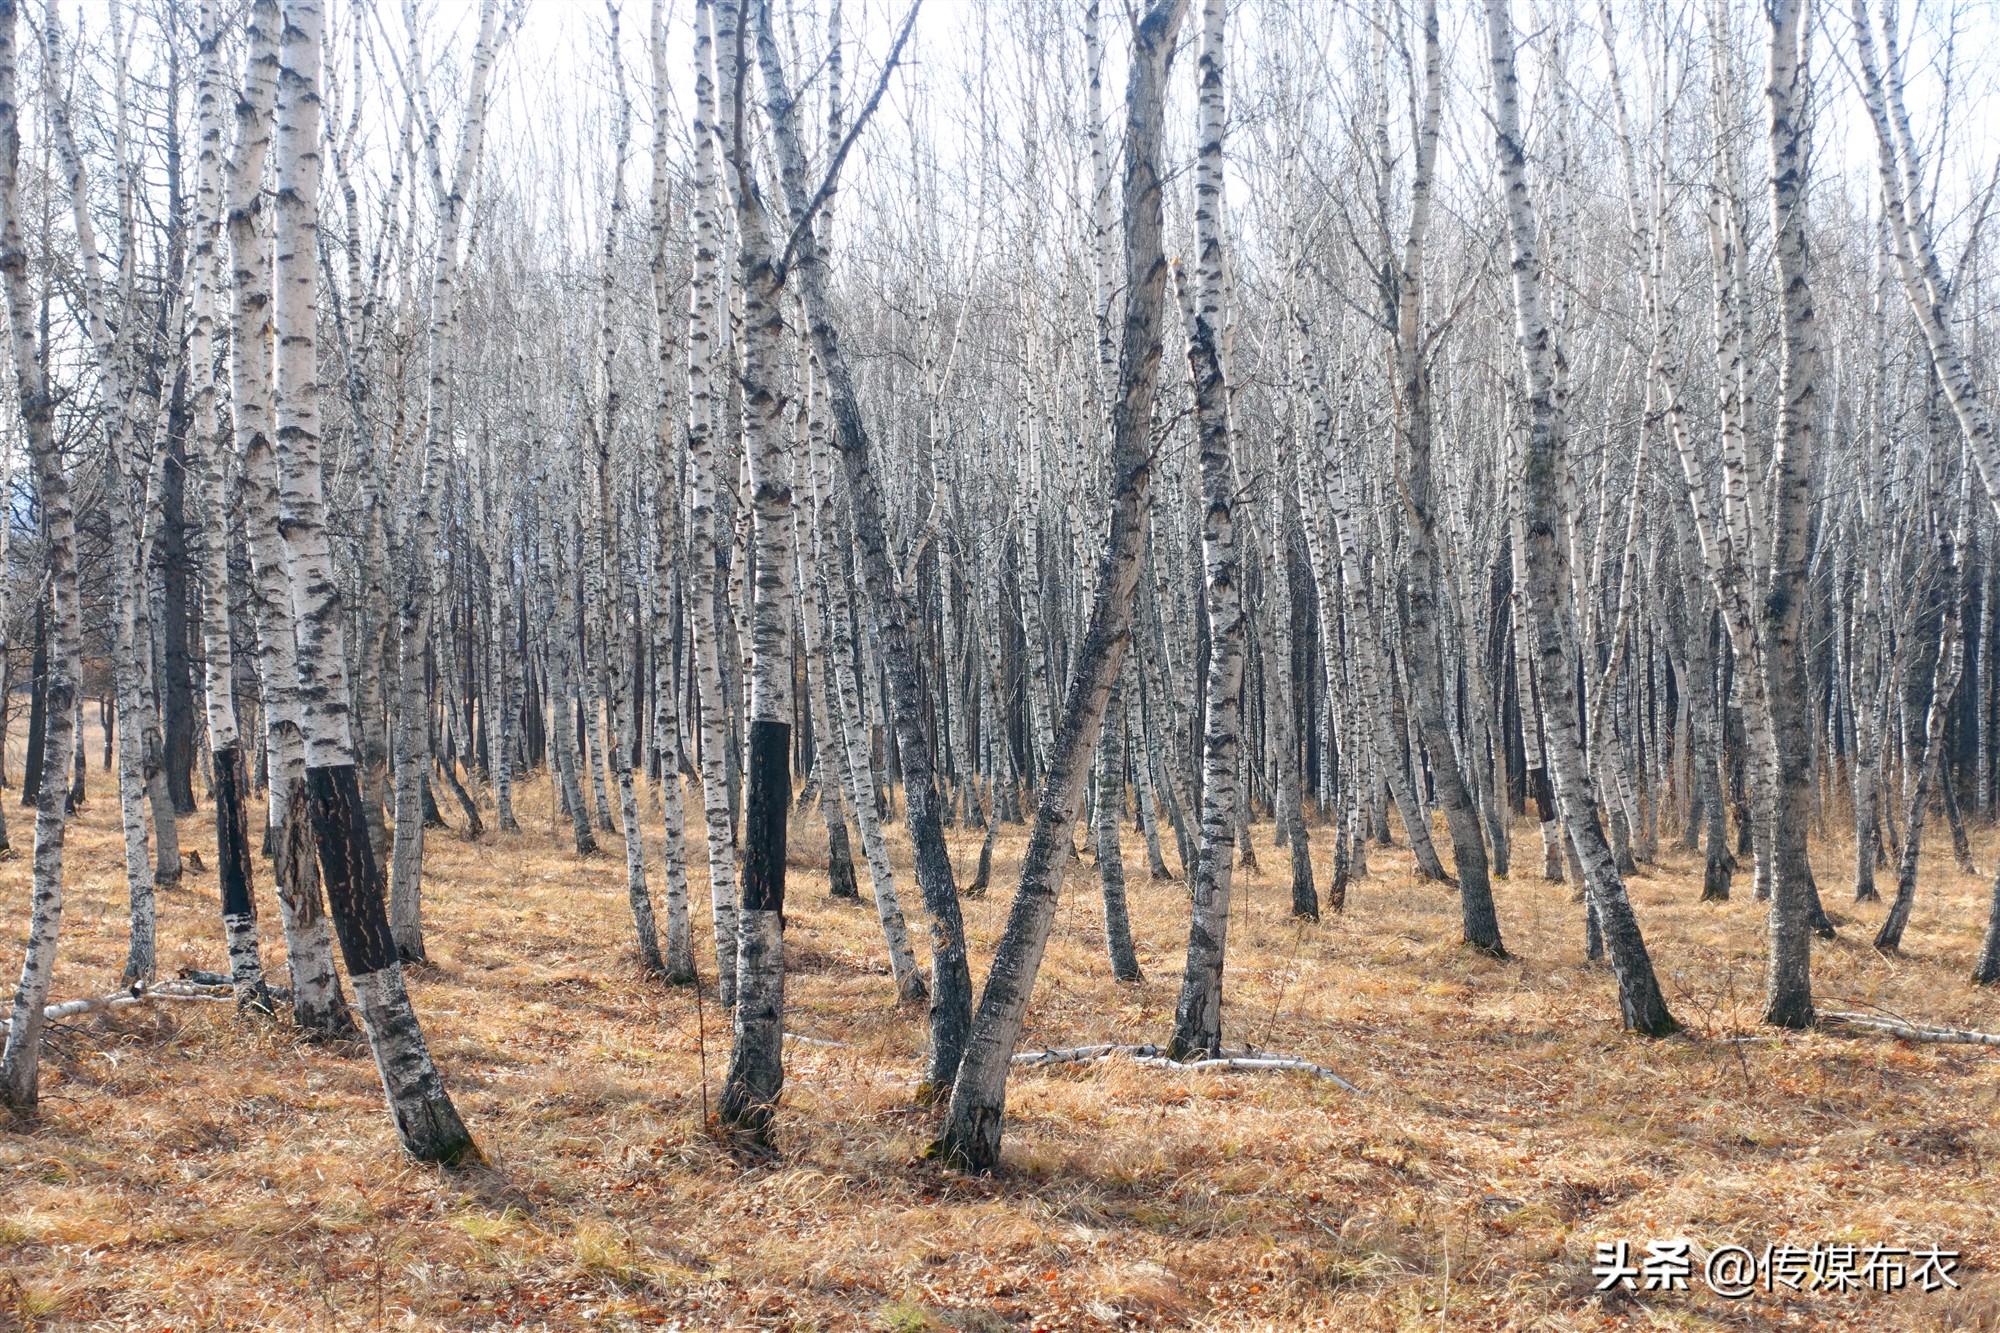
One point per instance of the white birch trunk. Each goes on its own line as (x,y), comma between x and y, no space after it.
(20,1061)
(1644,1008)
(426,1121)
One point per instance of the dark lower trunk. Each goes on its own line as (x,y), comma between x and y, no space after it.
(1110,856)
(1890,937)
(1961,849)
(984,874)
(756,1063)
(1343,868)
(1867,847)
(1305,897)
(234,869)
(426,1120)
(1545,811)
(177,707)
(1720,864)
(433,817)
(840,861)
(1988,969)
(38,707)
(475,827)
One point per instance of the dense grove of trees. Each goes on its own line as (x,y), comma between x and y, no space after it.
(1219,419)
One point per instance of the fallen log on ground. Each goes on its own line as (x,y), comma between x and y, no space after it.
(1246,1059)
(138,993)
(1896,1027)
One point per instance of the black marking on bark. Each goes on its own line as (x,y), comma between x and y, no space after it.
(769,803)
(232,836)
(353,880)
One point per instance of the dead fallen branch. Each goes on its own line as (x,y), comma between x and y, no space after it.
(1257,1062)
(1247,1059)
(138,993)
(1084,1054)
(813,1041)
(1895,1027)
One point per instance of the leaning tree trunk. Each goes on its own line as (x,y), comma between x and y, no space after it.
(426,1121)
(1929,766)
(951,977)
(1641,1003)
(1923,281)
(971,1136)
(855,766)
(1479,922)
(1375,682)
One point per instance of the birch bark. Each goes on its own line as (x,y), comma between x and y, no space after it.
(1643,1006)
(426,1121)
(971,1136)
(20,1059)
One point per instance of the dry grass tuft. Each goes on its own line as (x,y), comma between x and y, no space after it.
(200,1169)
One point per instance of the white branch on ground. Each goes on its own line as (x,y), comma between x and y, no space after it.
(137,994)
(1910,1031)
(1248,1058)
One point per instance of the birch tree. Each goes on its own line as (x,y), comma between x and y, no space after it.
(973,1120)
(1641,1003)
(20,1060)
(426,1121)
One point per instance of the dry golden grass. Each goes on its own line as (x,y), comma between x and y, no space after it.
(200,1169)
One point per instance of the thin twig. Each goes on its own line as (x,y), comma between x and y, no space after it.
(804,220)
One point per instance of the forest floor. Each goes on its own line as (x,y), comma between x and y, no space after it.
(196,1168)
